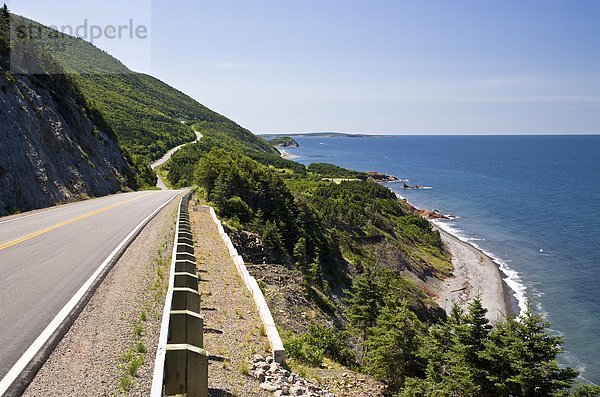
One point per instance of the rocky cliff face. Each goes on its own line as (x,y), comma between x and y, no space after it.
(51,149)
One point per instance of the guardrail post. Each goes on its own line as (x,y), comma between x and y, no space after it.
(187,370)
(185,266)
(186,280)
(186,326)
(185,299)
(181,256)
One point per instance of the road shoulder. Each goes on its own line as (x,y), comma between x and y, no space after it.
(111,346)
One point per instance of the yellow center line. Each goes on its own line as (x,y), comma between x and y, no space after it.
(78,218)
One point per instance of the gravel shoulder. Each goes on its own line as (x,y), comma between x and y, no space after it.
(116,334)
(232,326)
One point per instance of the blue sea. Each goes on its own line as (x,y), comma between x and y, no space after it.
(530,202)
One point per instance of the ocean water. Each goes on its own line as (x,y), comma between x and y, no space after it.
(530,202)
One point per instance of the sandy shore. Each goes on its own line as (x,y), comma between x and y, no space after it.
(475,274)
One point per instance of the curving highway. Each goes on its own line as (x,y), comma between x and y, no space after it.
(159,182)
(49,259)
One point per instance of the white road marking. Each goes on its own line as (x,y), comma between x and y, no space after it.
(35,347)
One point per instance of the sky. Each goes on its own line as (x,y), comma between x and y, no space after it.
(378,66)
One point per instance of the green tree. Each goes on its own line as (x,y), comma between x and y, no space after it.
(300,253)
(365,300)
(471,334)
(273,240)
(586,391)
(392,346)
(521,357)
(447,373)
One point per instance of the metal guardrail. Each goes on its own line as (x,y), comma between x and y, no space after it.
(181,364)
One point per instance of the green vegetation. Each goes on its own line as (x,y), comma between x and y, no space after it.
(392,346)
(334,235)
(133,358)
(320,342)
(231,138)
(148,116)
(284,141)
(351,242)
(465,356)
(4,28)
(325,170)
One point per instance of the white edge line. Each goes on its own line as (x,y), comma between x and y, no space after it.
(18,367)
(159,363)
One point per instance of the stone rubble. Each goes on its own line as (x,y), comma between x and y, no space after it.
(274,378)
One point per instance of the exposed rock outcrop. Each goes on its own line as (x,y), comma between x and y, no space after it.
(379,177)
(52,150)
(425,213)
(249,245)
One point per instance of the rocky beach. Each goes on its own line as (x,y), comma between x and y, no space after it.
(475,275)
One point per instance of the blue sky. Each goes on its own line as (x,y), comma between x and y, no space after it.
(392,67)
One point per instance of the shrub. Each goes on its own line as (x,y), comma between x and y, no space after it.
(298,348)
(320,341)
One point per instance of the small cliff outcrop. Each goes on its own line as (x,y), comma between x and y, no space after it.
(284,142)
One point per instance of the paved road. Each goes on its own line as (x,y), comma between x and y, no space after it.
(47,256)
(159,182)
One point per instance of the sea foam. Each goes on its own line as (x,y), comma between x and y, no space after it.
(512,277)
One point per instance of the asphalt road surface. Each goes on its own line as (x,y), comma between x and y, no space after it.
(47,256)
(159,182)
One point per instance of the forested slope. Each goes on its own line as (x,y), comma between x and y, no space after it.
(148,116)
(344,267)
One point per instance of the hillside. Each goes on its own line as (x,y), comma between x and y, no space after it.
(148,116)
(84,125)
(348,269)
(53,147)
(284,141)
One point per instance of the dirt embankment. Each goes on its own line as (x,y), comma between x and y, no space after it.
(232,326)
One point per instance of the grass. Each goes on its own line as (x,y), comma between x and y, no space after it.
(303,370)
(140,347)
(135,364)
(163,173)
(125,382)
(138,330)
(133,358)
(244,368)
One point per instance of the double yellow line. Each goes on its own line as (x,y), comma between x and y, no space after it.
(65,223)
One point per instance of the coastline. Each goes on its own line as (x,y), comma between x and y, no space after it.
(286,155)
(475,274)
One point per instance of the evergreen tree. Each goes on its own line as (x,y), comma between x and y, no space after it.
(300,253)
(521,357)
(472,334)
(393,344)
(586,391)
(364,302)
(447,372)
(272,239)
